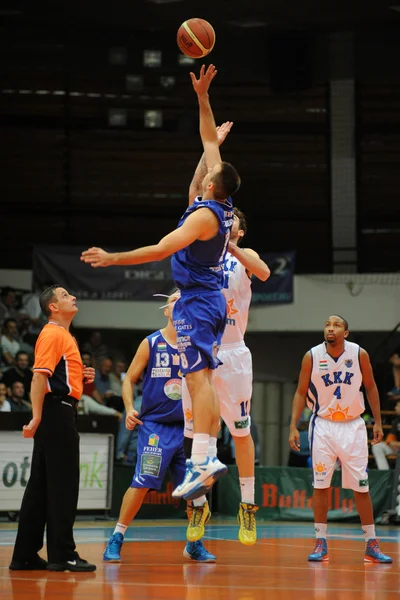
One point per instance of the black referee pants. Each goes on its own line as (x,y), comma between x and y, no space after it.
(51,495)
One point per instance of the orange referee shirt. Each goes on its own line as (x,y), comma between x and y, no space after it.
(57,355)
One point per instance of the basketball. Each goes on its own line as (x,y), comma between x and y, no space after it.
(196,38)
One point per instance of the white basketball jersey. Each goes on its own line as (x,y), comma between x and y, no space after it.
(334,391)
(237,291)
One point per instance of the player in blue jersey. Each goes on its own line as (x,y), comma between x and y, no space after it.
(160,441)
(199,246)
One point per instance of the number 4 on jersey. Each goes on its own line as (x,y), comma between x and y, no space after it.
(337,393)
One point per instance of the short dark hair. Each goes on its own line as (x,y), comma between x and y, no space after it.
(226,181)
(17,381)
(7,321)
(242,219)
(20,352)
(346,325)
(47,297)
(7,290)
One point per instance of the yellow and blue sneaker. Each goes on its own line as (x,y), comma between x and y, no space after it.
(112,553)
(196,551)
(373,554)
(198,517)
(247,521)
(320,553)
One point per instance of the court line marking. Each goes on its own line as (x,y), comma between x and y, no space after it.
(312,568)
(197,585)
(271,543)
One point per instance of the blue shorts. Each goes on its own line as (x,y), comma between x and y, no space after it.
(159,447)
(199,320)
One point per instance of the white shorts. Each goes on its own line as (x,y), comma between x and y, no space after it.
(233,381)
(344,440)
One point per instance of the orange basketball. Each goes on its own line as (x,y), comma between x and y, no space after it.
(196,38)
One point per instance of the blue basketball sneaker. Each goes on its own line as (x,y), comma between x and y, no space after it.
(199,477)
(112,553)
(320,553)
(196,551)
(373,553)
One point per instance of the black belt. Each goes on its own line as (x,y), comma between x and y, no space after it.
(63,399)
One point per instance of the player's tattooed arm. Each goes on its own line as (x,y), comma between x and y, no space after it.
(195,188)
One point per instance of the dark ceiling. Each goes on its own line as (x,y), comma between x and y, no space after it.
(156,15)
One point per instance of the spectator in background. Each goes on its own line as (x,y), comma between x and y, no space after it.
(17,398)
(5,406)
(8,305)
(9,342)
(20,372)
(102,383)
(91,400)
(87,359)
(31,308)
(89,389)
(391,445)
(96,347)
(117,376)
(395,362)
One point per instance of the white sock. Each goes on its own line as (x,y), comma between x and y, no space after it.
(120,528)
(369,532)
(212,447)
(247,489)
(200,447)
(320,530)
(199,501)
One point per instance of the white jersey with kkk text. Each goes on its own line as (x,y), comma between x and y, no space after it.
(335,385)
(237,291)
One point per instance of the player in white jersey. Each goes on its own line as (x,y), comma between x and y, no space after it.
(233,379)
(330,381)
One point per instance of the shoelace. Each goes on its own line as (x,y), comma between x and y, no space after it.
(115,544)
(198,546)
(188,474)
(319,546)
(249,520)
(197,515)
(374,544)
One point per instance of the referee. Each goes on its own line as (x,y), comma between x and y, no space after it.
(51,496)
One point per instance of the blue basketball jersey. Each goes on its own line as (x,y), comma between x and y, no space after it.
(200,266)
(162,383)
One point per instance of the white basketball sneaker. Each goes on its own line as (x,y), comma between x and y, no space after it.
(199,478)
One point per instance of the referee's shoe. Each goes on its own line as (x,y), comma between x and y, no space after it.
(76,564)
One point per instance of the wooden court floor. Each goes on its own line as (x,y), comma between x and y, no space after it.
(153,567)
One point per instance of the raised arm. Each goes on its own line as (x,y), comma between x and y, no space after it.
(202,225)
(208,130)
(253,264)
(299,400)
(195,188)
(136,368)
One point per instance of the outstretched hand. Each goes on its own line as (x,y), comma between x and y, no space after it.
(202,84)
(223,130)
(96,257)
